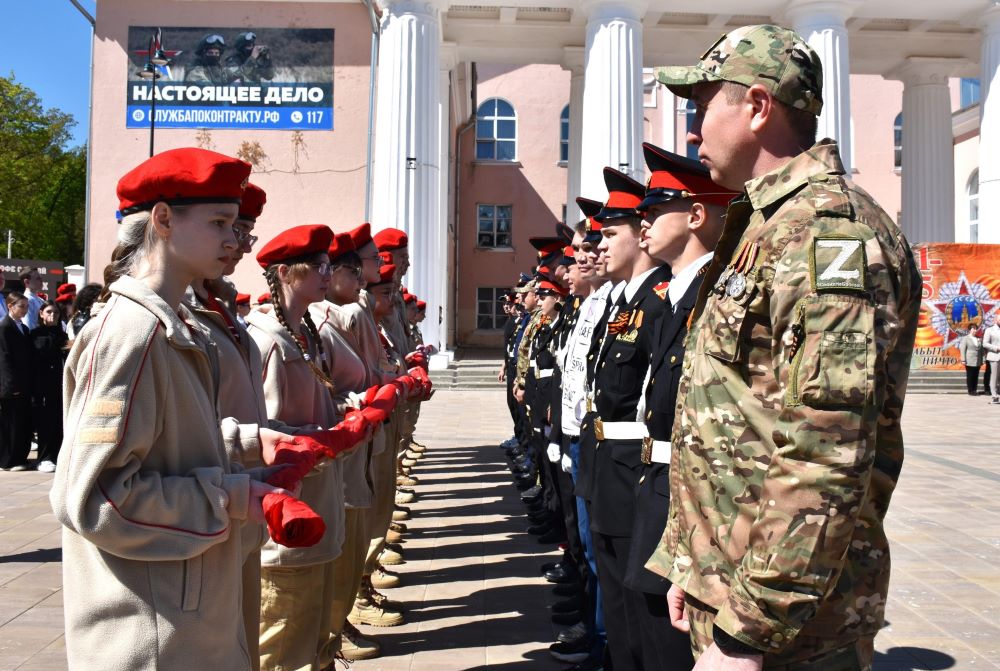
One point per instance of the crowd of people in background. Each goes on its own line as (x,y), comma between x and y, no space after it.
(976,348)
(36,332)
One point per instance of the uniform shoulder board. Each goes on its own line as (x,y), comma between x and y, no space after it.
(828,195)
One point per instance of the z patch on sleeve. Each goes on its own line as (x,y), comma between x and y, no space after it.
(838,263)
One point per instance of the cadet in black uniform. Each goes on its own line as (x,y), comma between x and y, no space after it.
(620,370)
(682,212)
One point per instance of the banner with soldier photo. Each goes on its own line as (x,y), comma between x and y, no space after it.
(247,78)
(961,292)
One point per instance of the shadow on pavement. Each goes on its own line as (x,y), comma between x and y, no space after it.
(912,659)
(34,556)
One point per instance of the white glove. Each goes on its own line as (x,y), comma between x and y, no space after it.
(354,400)
(567,464)
(553,452)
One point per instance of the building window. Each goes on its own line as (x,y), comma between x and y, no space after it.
(494,226)
(489,308)
(973,190)
(564,135)
(969,92)
(689,110)
(897,142)
(496,131)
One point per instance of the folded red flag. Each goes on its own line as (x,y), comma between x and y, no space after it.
(346,435)
(292,522)
(381,405)
(300,456)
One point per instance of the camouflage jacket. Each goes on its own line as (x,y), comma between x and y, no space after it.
(524,348)
(786,439)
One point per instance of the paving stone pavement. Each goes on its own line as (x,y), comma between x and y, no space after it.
(471,582)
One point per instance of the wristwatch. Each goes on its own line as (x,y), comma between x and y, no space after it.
(732,646)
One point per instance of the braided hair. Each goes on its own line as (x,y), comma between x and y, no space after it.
(322,372)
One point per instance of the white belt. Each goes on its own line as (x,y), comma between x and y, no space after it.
(660,454)
(542,374)
(620,430)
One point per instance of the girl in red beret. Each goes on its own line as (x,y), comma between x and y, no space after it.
(297,584)
(352,378)
(152,504)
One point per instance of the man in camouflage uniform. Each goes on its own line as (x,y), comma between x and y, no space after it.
(786,443)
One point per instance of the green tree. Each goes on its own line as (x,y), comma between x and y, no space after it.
(43,183)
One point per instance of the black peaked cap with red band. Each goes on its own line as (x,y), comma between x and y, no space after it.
(624,195)
(549,248)
(673,177)
(589,208)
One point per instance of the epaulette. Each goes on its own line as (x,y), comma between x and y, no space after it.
(828,196)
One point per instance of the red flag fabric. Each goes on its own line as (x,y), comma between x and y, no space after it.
(292,522)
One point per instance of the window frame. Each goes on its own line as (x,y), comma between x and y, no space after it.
(897,143)
(494,140)
(497,315)
(494,232)
(972,198)
(564,136)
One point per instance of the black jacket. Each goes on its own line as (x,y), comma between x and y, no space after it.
(621,369)
(48,343)
(652,487)
(16,360)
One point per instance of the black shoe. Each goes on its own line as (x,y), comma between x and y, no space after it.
(567,605)
(561,574)
(524,484)
(531,493)
(589,664)
(567,618)
(540,529)
(548,566)
(574,633)
(556,535)
(566,589)
(572,652)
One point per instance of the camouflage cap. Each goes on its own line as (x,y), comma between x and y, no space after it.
(773,56)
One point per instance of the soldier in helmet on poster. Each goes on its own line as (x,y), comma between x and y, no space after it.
(250,62)
(208,67)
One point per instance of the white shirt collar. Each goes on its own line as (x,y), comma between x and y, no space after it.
(682,280)
(633,284)
(616,291)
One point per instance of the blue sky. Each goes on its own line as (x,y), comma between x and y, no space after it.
(46,44)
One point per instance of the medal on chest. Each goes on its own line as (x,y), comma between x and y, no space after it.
(733,281)
(631,331)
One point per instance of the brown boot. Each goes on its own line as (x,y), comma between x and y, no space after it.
(367,611)
(382,579)
(354,646)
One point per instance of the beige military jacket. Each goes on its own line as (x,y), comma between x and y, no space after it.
(786,441)
(150,501)
(295,396)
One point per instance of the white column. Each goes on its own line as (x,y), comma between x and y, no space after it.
(668,120)
(928,152)
(439,298)
(406,190)
(573,61)
(822,23)
(612,94)
(989,128)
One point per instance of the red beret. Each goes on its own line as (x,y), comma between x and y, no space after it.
(264,298)
(243,299)
(295,242)
(252,203)
(421,305)
(361,235)
(385,256)
(182,177)
(65,298)
(390,238)
(66,289)
(409,298)
(342,243)
(385,274)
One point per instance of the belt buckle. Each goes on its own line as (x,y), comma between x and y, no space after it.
(599,429)
(646,453)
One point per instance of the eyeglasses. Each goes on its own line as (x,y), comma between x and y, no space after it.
(244,239)
(354,270)
(322,268)
(377,259)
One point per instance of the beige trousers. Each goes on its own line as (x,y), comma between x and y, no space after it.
(348,568)
(384,481)
(295,610)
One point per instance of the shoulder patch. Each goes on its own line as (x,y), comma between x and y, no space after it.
(661,290)
(838,264)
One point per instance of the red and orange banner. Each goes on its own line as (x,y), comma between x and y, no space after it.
(961,291)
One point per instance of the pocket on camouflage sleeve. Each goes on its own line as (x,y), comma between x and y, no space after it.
(835,365)
(725,325)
